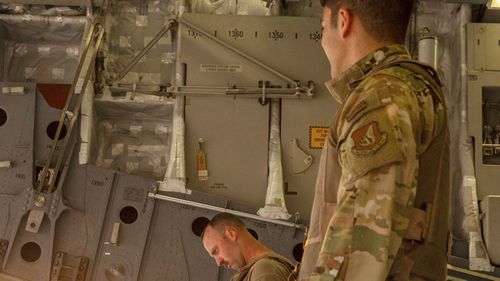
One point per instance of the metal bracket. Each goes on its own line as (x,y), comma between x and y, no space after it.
(5,164)
(13,91)
(35,220)
(69,268)
(245,92)
(288,192)
(301,161)
(114,240)
(48,179)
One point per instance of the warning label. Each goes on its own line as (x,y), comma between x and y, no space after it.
(220,68)
(317,137)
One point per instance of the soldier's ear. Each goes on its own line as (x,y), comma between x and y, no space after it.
(232,233)
(344,21)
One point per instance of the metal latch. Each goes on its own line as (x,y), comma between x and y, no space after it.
(301,161)
(5,164)
(13,90)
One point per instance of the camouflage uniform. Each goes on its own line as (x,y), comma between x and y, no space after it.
(383,184)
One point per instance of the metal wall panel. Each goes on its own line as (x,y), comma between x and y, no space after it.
(235,134)
(72,215)
(16,133)
(290,45)
(125,230)
(483,46)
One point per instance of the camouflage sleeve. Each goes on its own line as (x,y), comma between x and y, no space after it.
(376,194)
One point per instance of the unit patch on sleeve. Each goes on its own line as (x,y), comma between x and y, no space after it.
(368,139)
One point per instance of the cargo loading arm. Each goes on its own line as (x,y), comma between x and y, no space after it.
(294,89)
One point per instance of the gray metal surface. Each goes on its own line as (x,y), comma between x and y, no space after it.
(235,134)
(236,140)
(17,139)
(70,224)
(129,206)
(47,118)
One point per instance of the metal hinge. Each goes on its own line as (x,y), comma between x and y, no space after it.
(69,268)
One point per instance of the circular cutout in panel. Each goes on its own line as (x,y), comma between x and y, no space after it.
(128,215)
(254,234)
(298,251)
(3,117)
(199,225)
(52,130)
(31,252)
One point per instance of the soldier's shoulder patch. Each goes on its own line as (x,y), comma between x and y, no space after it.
(368,139)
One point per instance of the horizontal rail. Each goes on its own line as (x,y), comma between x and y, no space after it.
(224,210)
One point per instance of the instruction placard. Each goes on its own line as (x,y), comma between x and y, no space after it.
(317,136)
(220,68)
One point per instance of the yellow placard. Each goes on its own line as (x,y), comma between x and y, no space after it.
(317,137)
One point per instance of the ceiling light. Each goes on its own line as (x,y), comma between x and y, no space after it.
(493,4)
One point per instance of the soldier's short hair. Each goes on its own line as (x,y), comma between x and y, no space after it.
(384,20)
(223,220)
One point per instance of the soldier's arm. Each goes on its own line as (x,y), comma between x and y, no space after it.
(379,161)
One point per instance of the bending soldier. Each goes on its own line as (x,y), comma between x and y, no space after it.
(228,241)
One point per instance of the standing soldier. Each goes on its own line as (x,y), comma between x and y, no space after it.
(381,205)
